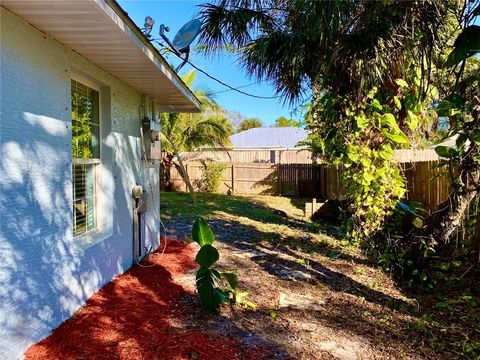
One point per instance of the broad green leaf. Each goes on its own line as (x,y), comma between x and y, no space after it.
(362,121)
(447,108)
(398,103)
(389,120)
(206,289)
(417,222)
(231,278)
(365,161)
(375,104)
(466,45)
(352,153)
(207,256)
(461,140)
(418,108)
(410,102)
(434,94)
(446,152)
(401,83)
(476,137)
(202,233)
(412,120)
(399,138)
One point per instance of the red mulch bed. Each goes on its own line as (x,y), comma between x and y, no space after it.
(138,316)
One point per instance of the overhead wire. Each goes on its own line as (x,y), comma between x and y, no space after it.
(238,87)
(231,88)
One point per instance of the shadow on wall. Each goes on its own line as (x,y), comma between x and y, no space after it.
(44,275)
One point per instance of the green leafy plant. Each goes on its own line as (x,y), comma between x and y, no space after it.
(212,176)
(208,280)
(237,296)
(210,295)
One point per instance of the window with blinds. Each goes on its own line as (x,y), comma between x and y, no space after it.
(85,155)
(84,198)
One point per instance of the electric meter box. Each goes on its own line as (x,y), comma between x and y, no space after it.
(151,139)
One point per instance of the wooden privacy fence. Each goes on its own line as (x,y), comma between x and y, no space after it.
(296,156)
(425,183)
(251,156)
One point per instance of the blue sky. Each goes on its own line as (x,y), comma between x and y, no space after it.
(174,14)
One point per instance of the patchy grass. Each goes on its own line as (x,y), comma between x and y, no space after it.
(366,315)
(267,220)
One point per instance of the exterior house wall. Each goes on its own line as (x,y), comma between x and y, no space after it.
(45,273)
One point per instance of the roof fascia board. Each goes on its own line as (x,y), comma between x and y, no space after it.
(114,11)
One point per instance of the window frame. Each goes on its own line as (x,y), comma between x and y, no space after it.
(88,236)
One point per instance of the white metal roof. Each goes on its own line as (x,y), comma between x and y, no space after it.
(103,33)
(269,138)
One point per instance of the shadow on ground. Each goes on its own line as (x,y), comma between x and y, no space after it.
(141,315)
(350,306)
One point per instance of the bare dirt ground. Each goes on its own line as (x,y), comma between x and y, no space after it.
(316,299)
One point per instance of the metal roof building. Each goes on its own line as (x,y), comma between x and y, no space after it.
(268,138)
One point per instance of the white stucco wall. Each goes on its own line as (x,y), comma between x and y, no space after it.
(45,273)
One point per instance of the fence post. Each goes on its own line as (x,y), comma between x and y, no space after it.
(279,178)
(233,179)
(297,180)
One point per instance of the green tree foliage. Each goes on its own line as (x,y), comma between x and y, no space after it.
(188,132)
(248,124)
(282,121)
(359,59)
(461,106)
(383,75)
(212,176)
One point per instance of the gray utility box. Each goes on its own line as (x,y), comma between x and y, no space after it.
(151,139)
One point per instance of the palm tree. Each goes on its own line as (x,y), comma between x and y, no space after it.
(189,132)
(248,124)
(342,47)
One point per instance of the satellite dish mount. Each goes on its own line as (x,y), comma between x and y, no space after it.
(182,40)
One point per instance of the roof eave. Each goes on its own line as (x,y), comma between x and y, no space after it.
(177,80)
(103,33)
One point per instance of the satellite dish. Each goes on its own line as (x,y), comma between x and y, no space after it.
(186,35)
(183,39)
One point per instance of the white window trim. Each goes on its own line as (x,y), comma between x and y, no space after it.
(95,235)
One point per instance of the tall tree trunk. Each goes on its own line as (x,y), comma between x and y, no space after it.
(476,238)
(445,221)
(167,165)
(183,171)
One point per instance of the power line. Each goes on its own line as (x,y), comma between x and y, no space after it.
(238,87)
(227,85)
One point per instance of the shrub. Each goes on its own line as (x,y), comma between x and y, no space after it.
(212,176)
